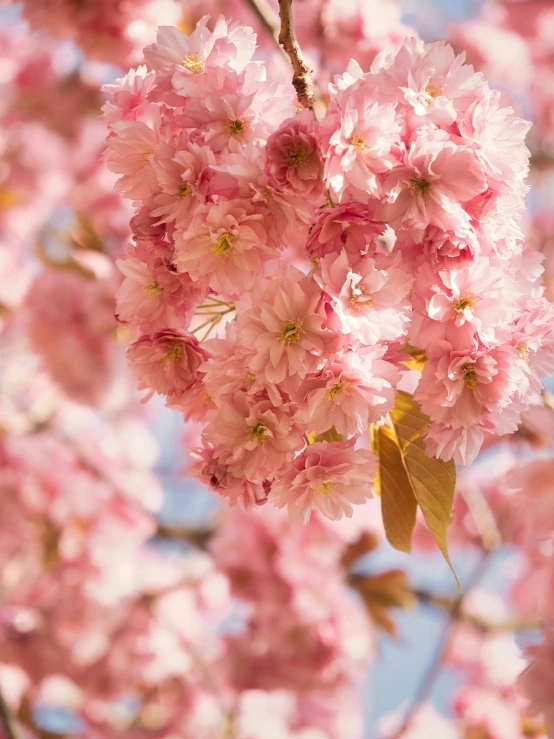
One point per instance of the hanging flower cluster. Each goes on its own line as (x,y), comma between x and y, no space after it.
(283,268)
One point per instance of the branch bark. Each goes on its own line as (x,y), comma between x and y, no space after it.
(7,721)
(301,78)
(433,671)
(267,17)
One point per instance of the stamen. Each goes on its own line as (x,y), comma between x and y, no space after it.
(357,142)
(224,244)
(466,302)
(325,488)
(184,190)
(470,376)
(194,62)
(291,333)
(523,351)
(237,128)
(420,186)
(154,289)
(257,433)
(298,156)
(433,92)
(174,354)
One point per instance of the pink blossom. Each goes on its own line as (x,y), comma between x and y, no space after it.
(182,171)
(253,438)
(363,136)
(347,226)
(224,247)
(468,306)
(215,473)
(129,154)
(166,361)
(284,331)
(328,476)
(538,679)
(352,392)
(293,157)
(436,178)
(128,96)
(184,59)
(436,84)
(368,295)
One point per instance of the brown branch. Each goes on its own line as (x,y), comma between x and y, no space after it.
(267,17)
(433,671)
(450,605)
(198,538)
(301,78)
(6,719)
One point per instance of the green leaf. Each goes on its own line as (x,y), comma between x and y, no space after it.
(406,473)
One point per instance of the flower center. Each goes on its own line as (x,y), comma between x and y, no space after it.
(360,299)
(470,376)
(357,142)
(291,333)
(237,128)
(174,354)
(325,488)
(419,186)
(464,303)
(224,243)
(433,92)
(154,289)
(257,433)
(523,351)
(335,391)
(184,190)
(298,156)
(144,157)
(194,62)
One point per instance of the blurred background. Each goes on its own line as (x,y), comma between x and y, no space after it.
(132,603)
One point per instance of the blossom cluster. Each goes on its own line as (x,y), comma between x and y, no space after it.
(318,250)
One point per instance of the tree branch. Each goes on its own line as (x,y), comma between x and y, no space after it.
(267,17)
(450,605)
(301,78)
(6,719)
(432,672)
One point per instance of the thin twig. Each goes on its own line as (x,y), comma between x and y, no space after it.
(267,17)
(6,720)
(432,672)
(301,78)
(449,604)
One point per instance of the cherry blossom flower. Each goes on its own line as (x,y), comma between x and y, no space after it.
(328,476)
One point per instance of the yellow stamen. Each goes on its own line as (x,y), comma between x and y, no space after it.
(154,289)
(464,303)
(174,354)
(433,92)
(298,156)
(291,333)
(224,244)
(523,351)
(470,376)
(419,186)
(237,128)
(335,391)
(184,190)
(194,62)
(257,433)
(357,142)
(360,300)
(325,488)
(144,157)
